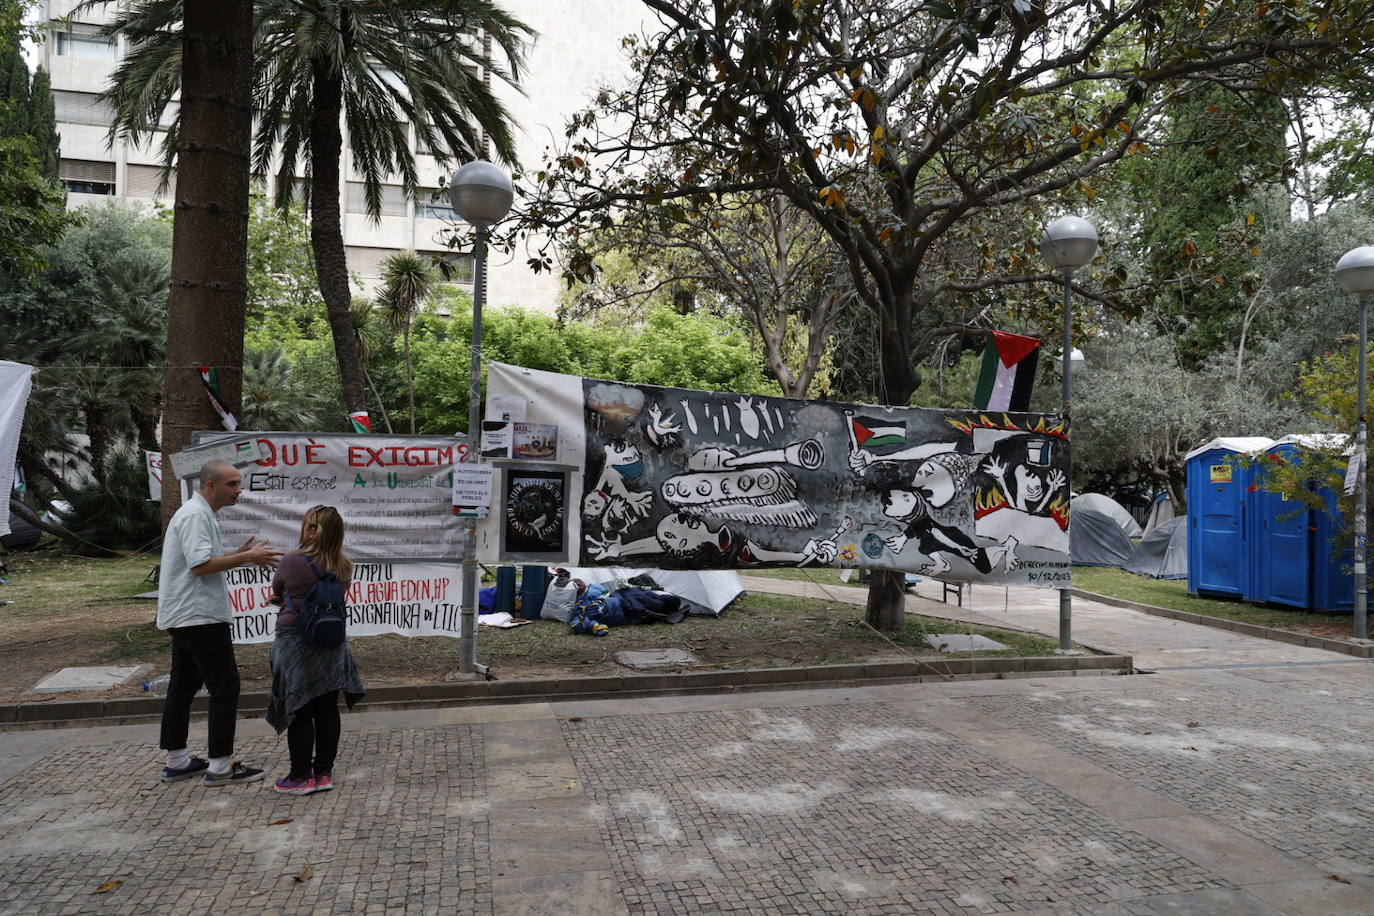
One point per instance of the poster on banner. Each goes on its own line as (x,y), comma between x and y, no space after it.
(408,599)
(152,463)
(394,492)
(680,479)
(472,490)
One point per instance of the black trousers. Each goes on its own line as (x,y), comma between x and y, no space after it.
(313,736)
(202,656)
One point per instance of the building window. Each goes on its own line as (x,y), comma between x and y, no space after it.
(393,199)
(367,262)
(79,39)
(143,181)
(437,148)
(81,108)
(459,265)
(84,176)
(433,203)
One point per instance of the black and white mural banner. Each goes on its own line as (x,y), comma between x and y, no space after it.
(680,479)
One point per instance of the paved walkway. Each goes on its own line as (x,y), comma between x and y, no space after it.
(1215,786)
(1156,643)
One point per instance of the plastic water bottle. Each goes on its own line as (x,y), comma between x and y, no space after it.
(158,686)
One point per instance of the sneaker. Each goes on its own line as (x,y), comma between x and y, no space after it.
(177,774)
(237,773)
(324,782)
(289,786)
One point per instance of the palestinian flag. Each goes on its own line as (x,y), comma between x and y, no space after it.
(1008,372)
(874,434)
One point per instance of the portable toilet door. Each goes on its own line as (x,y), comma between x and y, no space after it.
(1333,559)
(1218,557)
(1282,551)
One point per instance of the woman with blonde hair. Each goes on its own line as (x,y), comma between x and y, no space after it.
(306,679)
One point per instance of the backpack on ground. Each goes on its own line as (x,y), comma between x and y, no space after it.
(323,616)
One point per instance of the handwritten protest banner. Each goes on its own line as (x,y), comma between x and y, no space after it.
(410,599)
(395,495)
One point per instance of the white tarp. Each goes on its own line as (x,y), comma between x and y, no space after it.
(712,589)
(16,379)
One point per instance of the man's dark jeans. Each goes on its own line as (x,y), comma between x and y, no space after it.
(202,655)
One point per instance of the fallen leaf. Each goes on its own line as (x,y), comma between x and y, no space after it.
(282,820)
(1010,879)
(305,874)
(575,719)
(1192,725)
(572,784)
(1337,878)
(115,884)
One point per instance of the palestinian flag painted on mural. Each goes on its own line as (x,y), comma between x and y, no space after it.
(874,434)
(1008,372)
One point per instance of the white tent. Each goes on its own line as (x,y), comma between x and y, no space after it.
(15,381)
(1101,502)
(712,589)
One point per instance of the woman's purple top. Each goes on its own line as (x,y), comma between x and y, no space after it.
(294,577)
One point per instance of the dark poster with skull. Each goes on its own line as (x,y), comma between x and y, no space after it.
(533,528)
(682,479)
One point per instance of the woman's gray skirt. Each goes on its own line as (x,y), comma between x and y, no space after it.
(301,672)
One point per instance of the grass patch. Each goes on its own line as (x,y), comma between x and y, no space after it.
(820,575)
(1173,594)
(49,581)
(141,644)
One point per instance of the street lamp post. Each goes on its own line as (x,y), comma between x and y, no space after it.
(1355,274)
(1067,244)
(481,194)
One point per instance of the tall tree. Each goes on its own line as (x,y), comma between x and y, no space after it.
(209,235)
(1227,150)
(407,283)
(899,128)
(322,65)
(42,120)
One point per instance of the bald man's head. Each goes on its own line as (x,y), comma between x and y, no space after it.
(220,483)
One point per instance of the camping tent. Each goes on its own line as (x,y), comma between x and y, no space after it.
(1095,539)
(1161,510)
(712,590)
(1163,553)
(1101,502)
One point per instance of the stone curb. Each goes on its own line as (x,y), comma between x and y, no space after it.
(131,710)
(1237,626)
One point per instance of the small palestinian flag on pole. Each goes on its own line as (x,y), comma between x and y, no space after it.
(360,421)
(870,434)
(1008,372)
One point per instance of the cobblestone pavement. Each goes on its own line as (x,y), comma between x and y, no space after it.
(1221,790)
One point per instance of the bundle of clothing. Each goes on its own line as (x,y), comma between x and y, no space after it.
(593,609)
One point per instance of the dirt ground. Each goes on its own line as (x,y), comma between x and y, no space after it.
(71,612)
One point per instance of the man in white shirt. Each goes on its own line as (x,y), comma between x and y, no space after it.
(193,606)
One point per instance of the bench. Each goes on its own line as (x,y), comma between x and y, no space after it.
(954,588)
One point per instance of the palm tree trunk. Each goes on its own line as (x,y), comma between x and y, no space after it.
(210,227)
(376,396)
(326,228)
(410,379)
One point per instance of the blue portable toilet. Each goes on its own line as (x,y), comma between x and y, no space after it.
(1281,549)
(1333,573)
(1218,536)
(1329,580)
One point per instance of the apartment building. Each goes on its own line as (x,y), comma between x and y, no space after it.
(578,49)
